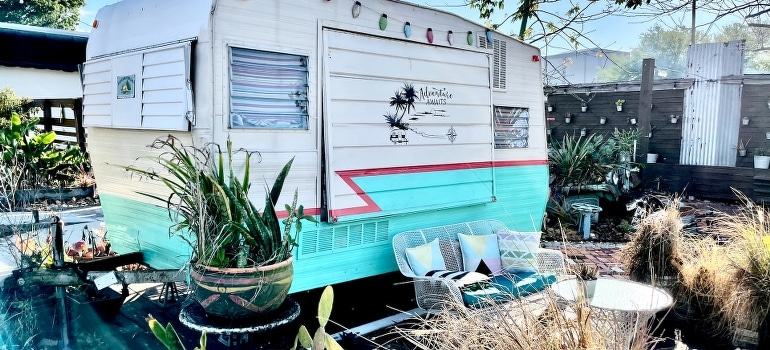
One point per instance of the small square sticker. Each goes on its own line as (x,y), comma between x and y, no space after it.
(126,86)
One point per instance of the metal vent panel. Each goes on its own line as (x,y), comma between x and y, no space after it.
(499,59)
(333,239)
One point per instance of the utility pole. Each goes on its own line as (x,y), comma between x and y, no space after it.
(524,17)
(692,26)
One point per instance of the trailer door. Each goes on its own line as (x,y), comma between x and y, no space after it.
(407,126)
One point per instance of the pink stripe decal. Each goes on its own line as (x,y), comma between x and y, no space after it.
(371,206)
(209,300)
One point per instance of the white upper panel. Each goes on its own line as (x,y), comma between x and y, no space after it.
(132,24)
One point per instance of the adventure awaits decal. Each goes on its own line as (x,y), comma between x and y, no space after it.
(406,101)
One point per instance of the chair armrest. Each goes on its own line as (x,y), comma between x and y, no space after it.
(431,292)
(550,260)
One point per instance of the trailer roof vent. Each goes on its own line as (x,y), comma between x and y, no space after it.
(499,59)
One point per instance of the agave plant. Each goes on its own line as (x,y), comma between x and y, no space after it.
(578,161)
(210,203)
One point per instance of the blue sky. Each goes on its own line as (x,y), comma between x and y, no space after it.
(614,33)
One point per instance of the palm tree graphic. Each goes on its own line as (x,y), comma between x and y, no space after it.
(403,100)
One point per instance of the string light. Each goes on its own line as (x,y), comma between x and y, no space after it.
(356,11)
(359,6)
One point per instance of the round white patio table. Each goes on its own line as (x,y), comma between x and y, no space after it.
(618,307)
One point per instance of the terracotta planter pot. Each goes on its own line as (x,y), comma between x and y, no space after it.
(241,292)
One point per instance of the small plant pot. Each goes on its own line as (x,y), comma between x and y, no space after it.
(603,120)
(742,152)
(589,288)
(652,157)
(583,108)
(632,121)
(550,108)
(761,162)
(619,108)
(625,157)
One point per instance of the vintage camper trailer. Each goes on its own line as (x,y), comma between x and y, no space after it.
(399,116)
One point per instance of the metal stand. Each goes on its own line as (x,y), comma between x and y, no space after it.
(236,331)
(168,293)
(585,210)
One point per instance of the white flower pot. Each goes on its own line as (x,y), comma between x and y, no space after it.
(589,288)
(602,120)
(652,157)
(583,108)
(742,152)
(625,157)
(761,162)
(620,108)
(550,108)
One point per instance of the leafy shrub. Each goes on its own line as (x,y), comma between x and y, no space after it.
(580,160)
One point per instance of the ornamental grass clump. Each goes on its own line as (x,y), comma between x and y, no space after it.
(746,302)
(537,322)
(652,255)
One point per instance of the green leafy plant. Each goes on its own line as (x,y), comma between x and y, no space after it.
(211,203)
(762,151)
(320,339)
(620,103)
(626,139)
(30,160)
(168,336)
(577,161)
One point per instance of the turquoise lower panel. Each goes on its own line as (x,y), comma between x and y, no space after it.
(140,226)
(342,252)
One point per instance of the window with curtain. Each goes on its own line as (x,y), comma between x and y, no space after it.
(268,90)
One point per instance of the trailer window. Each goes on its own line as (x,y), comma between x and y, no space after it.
(511,127)
(268,90)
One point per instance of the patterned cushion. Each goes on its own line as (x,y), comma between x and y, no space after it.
(461,278)
(518,250)
(425,258)
(480,253)
(504,288)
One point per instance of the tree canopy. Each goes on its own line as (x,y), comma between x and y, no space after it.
(62,14)
(669,49)
(541,24)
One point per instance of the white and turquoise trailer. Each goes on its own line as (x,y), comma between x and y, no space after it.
(399,116)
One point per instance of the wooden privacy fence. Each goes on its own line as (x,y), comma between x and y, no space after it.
(65,117)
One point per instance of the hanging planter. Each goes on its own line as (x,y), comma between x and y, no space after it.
(583,107)
(550,108)
(619,105)
(602,120)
